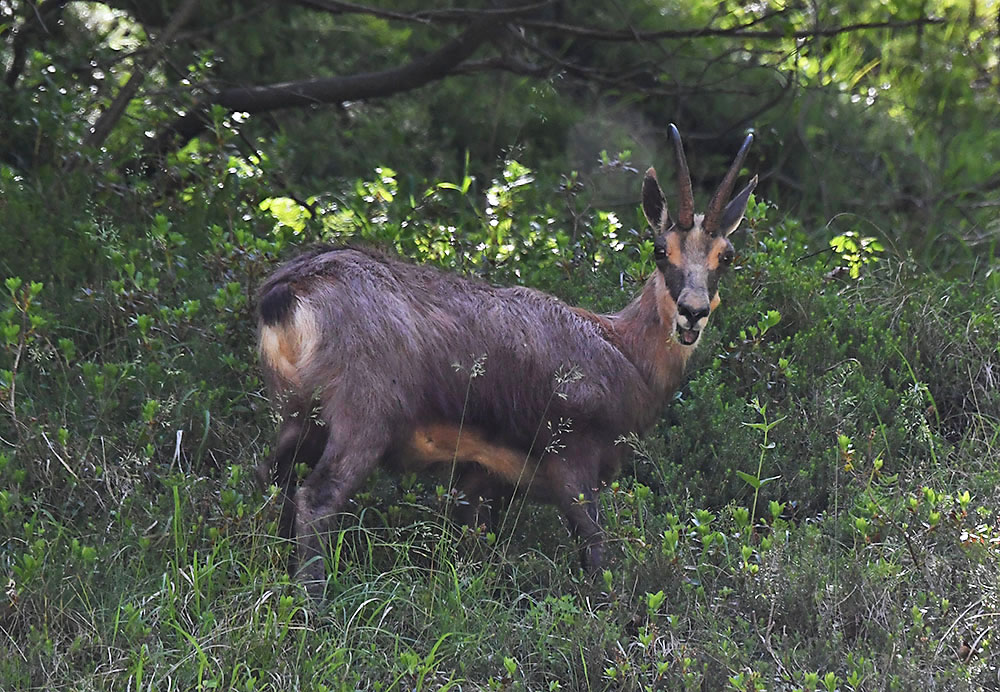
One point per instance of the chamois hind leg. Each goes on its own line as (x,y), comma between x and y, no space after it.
(344,465)
(572,479)
(301,440)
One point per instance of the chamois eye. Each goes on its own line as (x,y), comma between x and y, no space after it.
(659,251)
(727,257)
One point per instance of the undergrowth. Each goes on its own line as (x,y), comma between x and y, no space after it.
(817,509)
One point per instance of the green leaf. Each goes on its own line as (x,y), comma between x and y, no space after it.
(287,212)
(654,601)
(510,664)
(752,481)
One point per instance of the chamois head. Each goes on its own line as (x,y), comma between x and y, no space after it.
(693,250)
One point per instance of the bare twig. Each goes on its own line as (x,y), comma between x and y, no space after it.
(629,34)
(955,623)
(109,118)
(426,16)
(741,31)
(19,44)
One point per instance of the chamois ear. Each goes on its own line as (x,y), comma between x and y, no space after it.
(654,204)
(734,211)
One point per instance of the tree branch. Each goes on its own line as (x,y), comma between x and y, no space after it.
(260,99)
(338,7)
(741,31)
(452,58)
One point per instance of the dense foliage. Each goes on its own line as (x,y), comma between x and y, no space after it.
(816,510)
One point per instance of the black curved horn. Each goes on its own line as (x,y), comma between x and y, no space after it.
(685,209)
(721,197)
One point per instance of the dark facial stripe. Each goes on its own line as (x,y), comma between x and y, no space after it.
(684,250)
(673,276)
(672,266)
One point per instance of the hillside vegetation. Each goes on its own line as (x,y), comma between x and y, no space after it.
(817,509)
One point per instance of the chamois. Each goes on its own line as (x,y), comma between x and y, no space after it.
(370,358)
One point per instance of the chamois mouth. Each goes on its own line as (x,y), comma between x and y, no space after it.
(687,337)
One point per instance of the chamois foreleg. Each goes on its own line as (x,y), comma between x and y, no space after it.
(573,480)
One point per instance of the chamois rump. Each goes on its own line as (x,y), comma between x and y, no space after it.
(359,350)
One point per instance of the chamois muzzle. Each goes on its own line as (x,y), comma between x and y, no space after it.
(691,319)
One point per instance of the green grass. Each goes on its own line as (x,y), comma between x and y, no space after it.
(202,601)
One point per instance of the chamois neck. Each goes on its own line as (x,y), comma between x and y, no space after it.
(646,329)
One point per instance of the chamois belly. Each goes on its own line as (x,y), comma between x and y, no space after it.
(444,443)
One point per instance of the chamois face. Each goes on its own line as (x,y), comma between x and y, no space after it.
(693,250)
(692,261)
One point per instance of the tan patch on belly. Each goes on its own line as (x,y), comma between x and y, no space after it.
(442,443)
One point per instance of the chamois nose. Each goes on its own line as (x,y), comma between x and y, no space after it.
(692,315)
